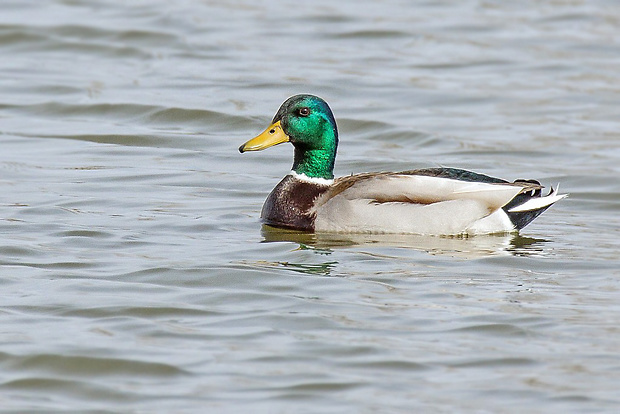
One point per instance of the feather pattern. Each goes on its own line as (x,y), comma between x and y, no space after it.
(409,202)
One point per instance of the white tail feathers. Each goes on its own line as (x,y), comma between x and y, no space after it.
(539,202)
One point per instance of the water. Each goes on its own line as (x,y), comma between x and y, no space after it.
(135,274)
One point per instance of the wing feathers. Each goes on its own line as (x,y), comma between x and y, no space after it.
(400,203)
(385,188)
(422,204)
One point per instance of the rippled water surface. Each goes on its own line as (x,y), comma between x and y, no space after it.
(135,273)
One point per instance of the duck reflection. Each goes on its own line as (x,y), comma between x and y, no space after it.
(461,246)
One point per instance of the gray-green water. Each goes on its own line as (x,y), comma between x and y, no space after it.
(135,276)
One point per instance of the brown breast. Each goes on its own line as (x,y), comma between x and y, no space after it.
(290,202)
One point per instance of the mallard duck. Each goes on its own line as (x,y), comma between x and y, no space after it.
(433,201)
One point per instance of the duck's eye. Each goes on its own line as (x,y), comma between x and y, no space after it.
(305,111)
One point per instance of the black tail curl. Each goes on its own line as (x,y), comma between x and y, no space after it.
(521,219)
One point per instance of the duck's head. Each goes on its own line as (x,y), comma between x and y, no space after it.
(307,122)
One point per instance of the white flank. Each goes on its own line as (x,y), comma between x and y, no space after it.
(360,216)
(497,222)
(447,207)
(314,180)
(539,202)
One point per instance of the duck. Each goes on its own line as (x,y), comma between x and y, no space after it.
(438,201)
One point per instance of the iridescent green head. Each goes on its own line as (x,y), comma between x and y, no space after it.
(307,122)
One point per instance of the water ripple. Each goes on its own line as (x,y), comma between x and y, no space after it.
(137,276)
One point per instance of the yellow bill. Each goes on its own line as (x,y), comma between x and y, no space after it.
(273,135)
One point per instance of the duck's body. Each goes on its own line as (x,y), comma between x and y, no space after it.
(438,201)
